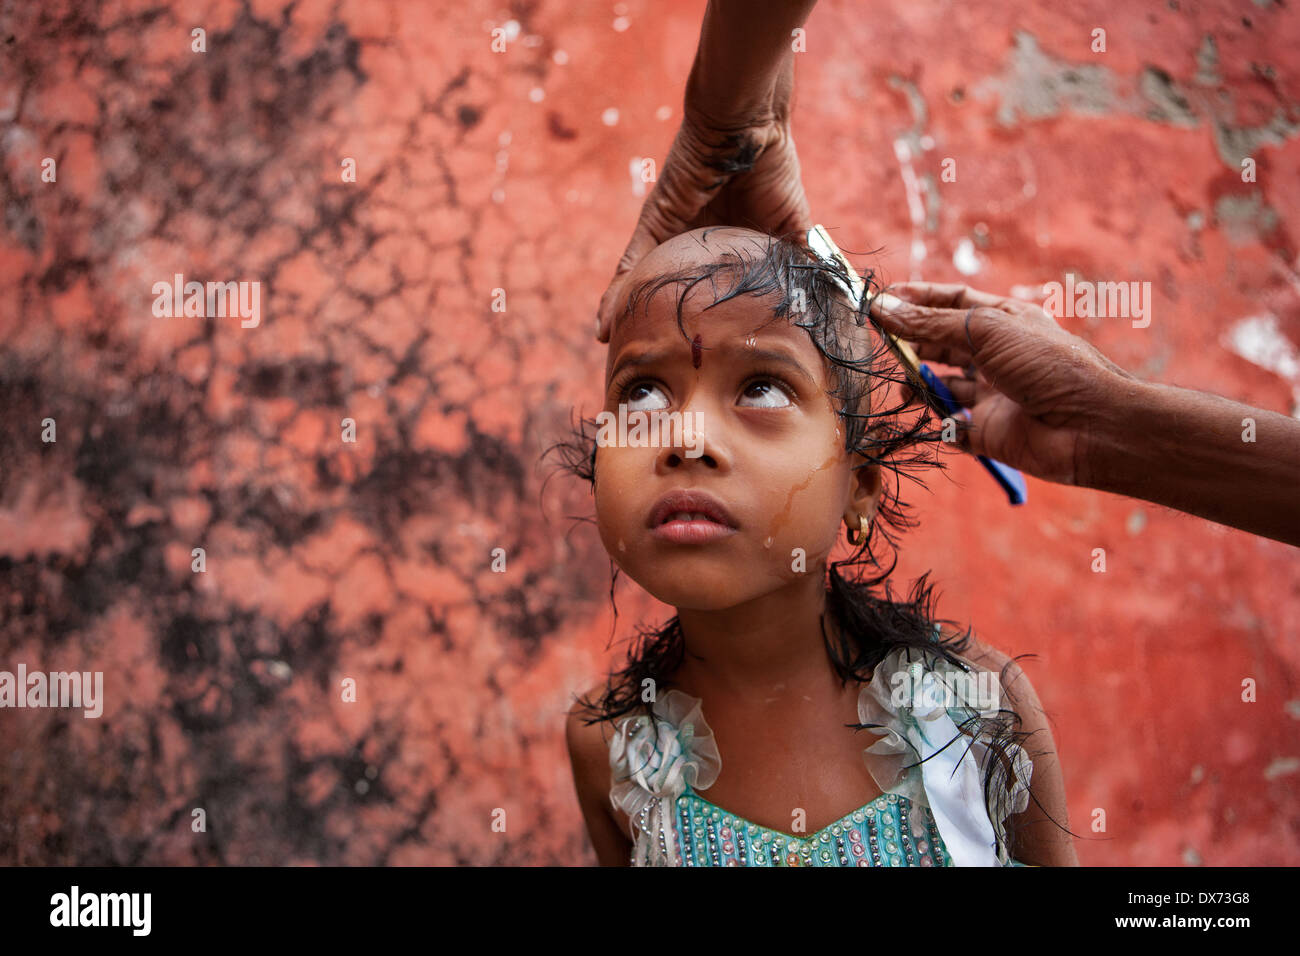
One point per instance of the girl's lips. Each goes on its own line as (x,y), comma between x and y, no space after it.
(696,531)
(689,503)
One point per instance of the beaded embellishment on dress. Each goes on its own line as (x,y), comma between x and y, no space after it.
(885,832)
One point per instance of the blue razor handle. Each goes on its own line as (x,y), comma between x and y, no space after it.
(1012,481)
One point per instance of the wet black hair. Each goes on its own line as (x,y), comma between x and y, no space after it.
(889,420)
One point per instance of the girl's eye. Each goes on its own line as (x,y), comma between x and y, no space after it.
(765,394)
(644,392)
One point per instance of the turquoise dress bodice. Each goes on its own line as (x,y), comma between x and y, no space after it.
(888,831)
(659,769)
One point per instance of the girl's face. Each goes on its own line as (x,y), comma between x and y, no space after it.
(767,445)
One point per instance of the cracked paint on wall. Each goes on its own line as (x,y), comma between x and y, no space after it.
(329,560)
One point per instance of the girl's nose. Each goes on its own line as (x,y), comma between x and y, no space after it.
(695,444)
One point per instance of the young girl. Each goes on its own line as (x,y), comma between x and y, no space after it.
(788,714)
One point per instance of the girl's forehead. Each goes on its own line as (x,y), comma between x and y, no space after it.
(730,328)
(655,314)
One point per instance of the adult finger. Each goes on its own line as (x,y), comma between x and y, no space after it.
(645,238)
(946,295)
(962,388)
(672,208)
(943,354)
(940,334)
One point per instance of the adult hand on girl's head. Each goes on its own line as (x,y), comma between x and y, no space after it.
(722,169)
(1035,392)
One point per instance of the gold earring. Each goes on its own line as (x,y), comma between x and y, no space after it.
(863,525)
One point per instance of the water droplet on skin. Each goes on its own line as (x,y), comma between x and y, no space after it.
(767,543)
(751,341)
(621,545)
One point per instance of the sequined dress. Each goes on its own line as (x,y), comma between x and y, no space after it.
(931,812)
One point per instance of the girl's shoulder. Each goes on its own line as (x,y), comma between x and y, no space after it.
(986,657)
(1041,838)
(587,721)
(596,740)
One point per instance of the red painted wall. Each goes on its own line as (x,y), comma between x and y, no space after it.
(478,171)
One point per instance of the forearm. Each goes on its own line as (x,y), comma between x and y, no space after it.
(1185,449)
(744,46)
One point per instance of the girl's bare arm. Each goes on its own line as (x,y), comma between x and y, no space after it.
(1037,838)
(589,758)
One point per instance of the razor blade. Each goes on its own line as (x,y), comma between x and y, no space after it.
(935,393)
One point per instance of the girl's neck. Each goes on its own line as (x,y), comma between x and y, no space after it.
(770,646)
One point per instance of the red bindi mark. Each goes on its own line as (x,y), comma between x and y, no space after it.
(697,351)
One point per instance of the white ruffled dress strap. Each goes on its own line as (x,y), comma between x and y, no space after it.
(917,702)
(652,763)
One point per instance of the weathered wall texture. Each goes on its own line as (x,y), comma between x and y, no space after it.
(477,171)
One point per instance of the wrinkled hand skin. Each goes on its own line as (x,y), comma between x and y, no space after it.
(372,560)
(1040,393)
(749,176)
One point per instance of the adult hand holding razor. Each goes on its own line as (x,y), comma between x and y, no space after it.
(1050,404)
(733,161)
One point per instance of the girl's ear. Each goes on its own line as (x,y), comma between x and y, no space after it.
(864,491)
